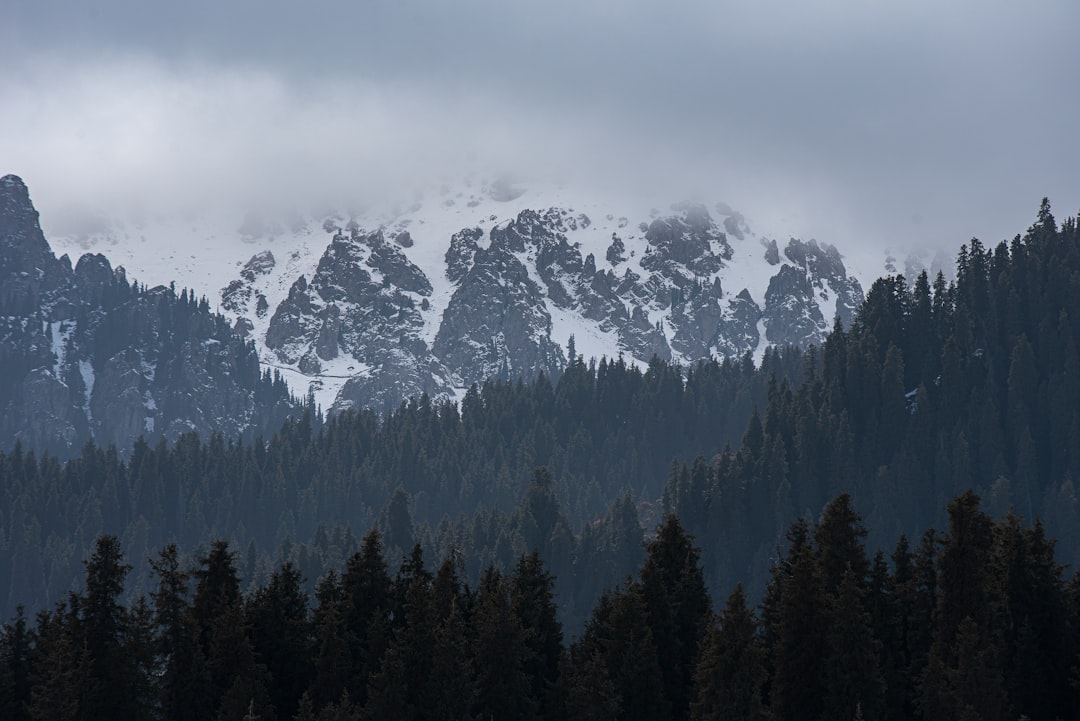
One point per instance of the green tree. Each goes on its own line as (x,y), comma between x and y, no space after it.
(800,626)
(184,680)
(531,591)
(839,538)
(450,686)
(112,677)
(331,659)
(678,609)
(964,570)
(15,649)
(503,688)
(281,637)
(367,599)
(852,671)
(60,669)
(731,669)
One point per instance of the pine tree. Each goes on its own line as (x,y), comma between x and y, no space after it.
(852,671)
(331,659)
(731,669)
(450,686)
(389,696)
(184,679)
(800,625)
(112,678)
(678,608)
(60,669)
(618,649)
(531,589)
(839,538)
(397,521)
(366,592)
(964,569)
(937,701)
(15,687)
(281,637)
(976,680)
(589,692)
(248,693)
(217,613)
(503,688)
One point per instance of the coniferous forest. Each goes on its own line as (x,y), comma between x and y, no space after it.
(976,622)
(723,541)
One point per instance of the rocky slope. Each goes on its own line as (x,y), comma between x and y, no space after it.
(87,355)
(368,307)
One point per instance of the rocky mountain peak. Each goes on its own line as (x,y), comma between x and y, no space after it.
(88,355)
(29,272)
(19,227)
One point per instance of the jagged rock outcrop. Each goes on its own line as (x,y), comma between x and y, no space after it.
(87,355)
(362,304)
(808,293)
(497,323)
(513,293)
(31,276)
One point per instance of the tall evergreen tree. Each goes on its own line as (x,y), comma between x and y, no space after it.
(184,678)
(531,590)
(112,677)
(852,670)
(331,658)
(281,637)
(731,669)
(503,688)
(839,537)
(366,595)
(60,669)
(798,689)
(15,650)
(678,608)
(964,570)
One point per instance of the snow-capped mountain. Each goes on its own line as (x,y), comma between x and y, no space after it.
(367,307)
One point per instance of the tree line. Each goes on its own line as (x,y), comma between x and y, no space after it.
(977,623)
(435,472)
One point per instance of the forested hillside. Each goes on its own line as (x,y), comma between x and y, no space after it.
(973,623)
(936,388)
(87,354)
(446,476)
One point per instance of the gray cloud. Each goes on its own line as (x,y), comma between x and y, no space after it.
(861,122)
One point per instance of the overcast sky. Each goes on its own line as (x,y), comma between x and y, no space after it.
(876,123)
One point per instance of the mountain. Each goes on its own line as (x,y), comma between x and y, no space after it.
(88,355)
(371,306)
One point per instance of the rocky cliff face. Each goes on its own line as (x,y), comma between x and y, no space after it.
(363,304)
(396,307)
(87,355)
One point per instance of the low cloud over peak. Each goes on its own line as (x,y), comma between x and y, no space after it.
(915,123)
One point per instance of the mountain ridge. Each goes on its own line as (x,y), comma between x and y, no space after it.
(88,355)
(373,306)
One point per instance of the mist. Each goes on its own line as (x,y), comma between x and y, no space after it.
(858,125)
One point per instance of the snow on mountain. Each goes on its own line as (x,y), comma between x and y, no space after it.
(89,357)
(481,278)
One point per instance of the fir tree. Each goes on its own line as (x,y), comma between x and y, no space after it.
(731,669)
(678,608)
